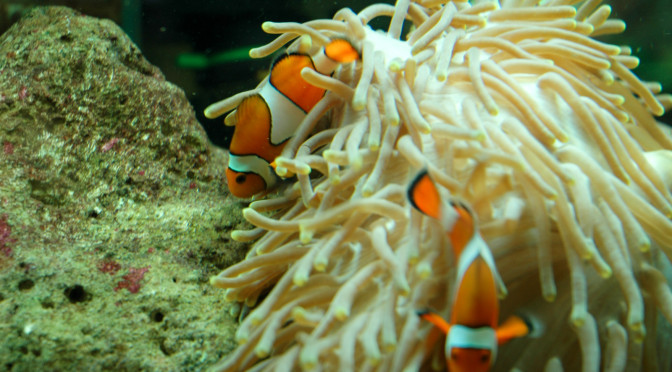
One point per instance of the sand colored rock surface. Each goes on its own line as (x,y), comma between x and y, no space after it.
(113,211)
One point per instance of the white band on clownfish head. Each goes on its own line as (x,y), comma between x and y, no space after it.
(285,114)
(471,338)
(253,164)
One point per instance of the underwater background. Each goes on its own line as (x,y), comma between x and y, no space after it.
(202,45)
(110,232)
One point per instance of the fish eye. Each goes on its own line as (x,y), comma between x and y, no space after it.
(485,357)
(453,356)
(241,178)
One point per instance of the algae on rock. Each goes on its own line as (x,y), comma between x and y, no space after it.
(105,172)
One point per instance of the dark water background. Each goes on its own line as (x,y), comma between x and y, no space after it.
(201,45)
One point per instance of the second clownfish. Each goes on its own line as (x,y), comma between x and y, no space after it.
(267,119)
(473,333)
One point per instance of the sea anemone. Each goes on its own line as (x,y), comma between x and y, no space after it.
(513,108)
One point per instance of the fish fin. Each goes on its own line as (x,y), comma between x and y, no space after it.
(286,78)
(435,319)
(253,126)
(513,327)
(341,50)
(424,195)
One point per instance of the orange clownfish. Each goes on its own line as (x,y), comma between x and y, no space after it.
(267,119)
(473,333)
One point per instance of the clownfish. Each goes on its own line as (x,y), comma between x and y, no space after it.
(473,333)
(267,119)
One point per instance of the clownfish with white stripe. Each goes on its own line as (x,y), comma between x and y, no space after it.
(473,333)
(267,119)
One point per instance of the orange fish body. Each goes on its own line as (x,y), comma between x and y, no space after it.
(267,119)
(473,334)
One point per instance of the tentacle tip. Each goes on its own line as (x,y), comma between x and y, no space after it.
(209,113)
(308,365)
(304,169)
(413,259)
(606,273)
(341,313)
(320,264)
(261,352)
(373,360)
(550,297)
(358,104)
(639,331)
(305,237)
(424,272)
(236,235)
(298,313)
(357,163)
(229,296)
(255,53)
(300,279)
(479,136)
(395,65)
(577,321)
(255,320)
(404,289)
(645,246)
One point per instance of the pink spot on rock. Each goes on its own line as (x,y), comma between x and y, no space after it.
(132,280)
(23,92)
(8,148)
(109,267)
(5,231)
(109,145)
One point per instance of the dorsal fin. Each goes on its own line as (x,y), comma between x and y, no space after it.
(424,196)
(341,50)
(286,78)
(463,229)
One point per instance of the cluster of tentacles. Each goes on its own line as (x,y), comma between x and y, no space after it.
(512,108)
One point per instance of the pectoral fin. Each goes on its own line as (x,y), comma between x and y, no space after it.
(435,319)
(424,196)
(513,327)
